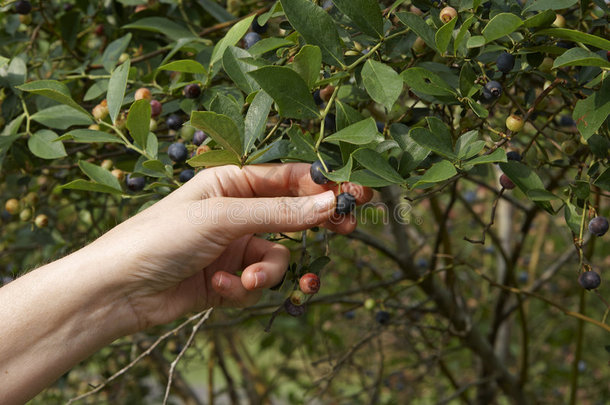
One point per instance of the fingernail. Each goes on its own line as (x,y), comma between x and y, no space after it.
(324,201)
(224,282)
(259,279)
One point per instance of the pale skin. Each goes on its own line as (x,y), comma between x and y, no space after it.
(178,256)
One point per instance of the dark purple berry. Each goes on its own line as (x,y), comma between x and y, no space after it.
(506,183)
(250,39)
(589,280)
(380,126)
(259,29)
(177,152)
(505,62)
(330,122)
(199,137)
(513,155)
(186,175)
(566,121)
(155,108)
(174,122)
(598,226)
(135,183)
(292,309)
(317,98)
(382,317)
(192,90)
(23,7)
(346,203)
(316,172)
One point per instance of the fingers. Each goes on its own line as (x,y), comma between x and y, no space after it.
(231,289)
(269,262)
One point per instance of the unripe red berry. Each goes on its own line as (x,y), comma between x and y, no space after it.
(192,90)
(309,283)
(506,183)
(203,149)
(155,108)
(99,30)
(327,92)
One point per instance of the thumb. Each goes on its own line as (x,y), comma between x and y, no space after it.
(241,216)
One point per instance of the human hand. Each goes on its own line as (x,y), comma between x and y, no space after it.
(182,253)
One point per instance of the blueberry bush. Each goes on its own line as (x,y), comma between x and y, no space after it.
(476,274)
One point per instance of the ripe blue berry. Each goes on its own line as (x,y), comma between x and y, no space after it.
(259,29)
(566,121)
(492,90)
(250,39)
(174,122)
(505,62)
(346,203)
(135,183)
(186,175)
(513,155)
(317,98)
(177,152)
(292,309)
(316,172)
(382,317)
(23,7)
(192,90)
(598,226)
(589,280)
(380,126)
(199,137)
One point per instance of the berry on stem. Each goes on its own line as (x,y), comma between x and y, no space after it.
(199,137)
(513,155)
(177,152)
(492,90)
(505,62)
(250,39)
(327,92)
(135,183)
(447,14)
(23,7)
(142,94)
(309,283)
(155,108)
(174,122)
(259,29)
(330,122)
(506,183)
(41,221)
(346,203)
(192,90)
(382,317)
(293,310)
(186,175)
(514,123)
(598,226)
(589,280)
(316,172)
(12,206)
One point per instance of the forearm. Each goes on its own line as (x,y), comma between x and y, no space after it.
(56,316)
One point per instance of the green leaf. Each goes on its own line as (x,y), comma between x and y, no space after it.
(268,44)
(61,117)
(463,31)
(475,41)
(541,19)
(162,26)
(467,145)
(116,89)
(541,195)
(478,109)
(378,165)
(343,174)
(424,81)
(308,63)
(96,90)
(230,39)
(541,5)
(381,82)
(346,115)
(113,52)
(360,133)
(603,181)
(591,112)
(498,155)
(54,90)
(99,174)
(576,36)
(214,158)
(439,172)
(288,90)
(152,145)
(526,179)
(185,66)
(413,153)
(501,25)
(138,121)
(85,185)
(42,145)
(302,145)
(156,166)
(367,178)
(256,119)
(216,10)
(419,26)
(6,141)
(279,149)
(90,136)
(443,35)
(222,104)
(316,27)
(573,217)
(238,70)
(467,80)
(580,57)
(220,128)
(366,14)
(437,138)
